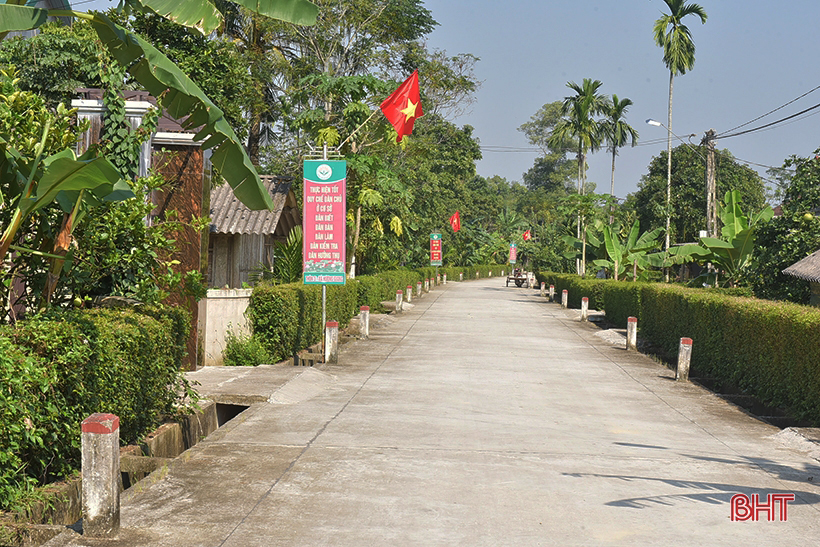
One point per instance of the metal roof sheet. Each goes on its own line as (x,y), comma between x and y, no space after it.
(230,216)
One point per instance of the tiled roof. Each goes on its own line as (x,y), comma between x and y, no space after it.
(230,216)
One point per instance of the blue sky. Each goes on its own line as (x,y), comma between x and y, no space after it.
(751,57)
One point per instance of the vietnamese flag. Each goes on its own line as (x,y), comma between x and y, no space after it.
(455,222)
(527,235)
(403,106)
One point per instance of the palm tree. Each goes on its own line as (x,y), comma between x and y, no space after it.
(617,132)
(579,122)
(678,56)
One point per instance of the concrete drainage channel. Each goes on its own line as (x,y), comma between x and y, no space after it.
(137,462)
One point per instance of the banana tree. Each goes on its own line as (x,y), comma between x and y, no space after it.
(632,253)
(734,252)
(175,92)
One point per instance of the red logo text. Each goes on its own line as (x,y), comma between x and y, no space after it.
(775,508)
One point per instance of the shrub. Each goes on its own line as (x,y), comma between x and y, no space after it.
(245,351)
(60,367)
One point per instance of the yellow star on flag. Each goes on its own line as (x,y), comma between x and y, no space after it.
(410,111)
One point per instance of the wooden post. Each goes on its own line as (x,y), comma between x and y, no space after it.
(632,333)
(101,475)
(364,318)
(584,309)
(684,358)
(332,342)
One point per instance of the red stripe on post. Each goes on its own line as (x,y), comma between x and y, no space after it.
(686,341)
(331,324)
(101,423)
(364,308)
(631,319)
(585,299)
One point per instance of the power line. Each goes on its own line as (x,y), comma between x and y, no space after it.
(769,124)
(772,111)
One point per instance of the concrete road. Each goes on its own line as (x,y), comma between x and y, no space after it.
(484,416)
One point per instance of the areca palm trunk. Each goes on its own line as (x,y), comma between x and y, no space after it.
(669,160)
(612,190)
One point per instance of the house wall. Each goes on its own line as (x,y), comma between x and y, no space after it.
(233,258)
(224,311)
(815,294)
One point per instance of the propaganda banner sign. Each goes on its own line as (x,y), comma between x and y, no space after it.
(324,210)
(435,249)
(513,253)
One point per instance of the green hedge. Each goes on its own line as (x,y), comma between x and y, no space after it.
(288,318)
(60,367)
(768,349)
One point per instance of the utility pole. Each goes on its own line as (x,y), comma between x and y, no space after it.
(711,185)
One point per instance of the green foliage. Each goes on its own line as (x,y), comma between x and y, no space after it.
(733,254)
(245,351)
(624,257)
(791,237)
(688,196)
(60,367)
(55,62)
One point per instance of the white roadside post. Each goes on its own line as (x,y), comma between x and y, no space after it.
(364,314)
(101,475)
(584,309)
(332,342)
(552,293)
(399,299)
(409,294)
(564,298)
(418,289)
(543,289)
(684,358)
(632,333)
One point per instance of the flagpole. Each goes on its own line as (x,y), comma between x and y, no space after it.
(357,129)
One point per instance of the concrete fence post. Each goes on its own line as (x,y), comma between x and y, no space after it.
(632,333)
(564,298)
(427,284)
(490,274)
(530,280)
(364,315)
(409,294)
(418,289)
(477,276)
(438,280)
(461,276)
(332,342)
(552,293)
(684,358)
(399,298)
(584,309)
(101,475)
(543,289)
(502,273)
(444,279)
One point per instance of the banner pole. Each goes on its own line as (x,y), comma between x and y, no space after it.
(324,286)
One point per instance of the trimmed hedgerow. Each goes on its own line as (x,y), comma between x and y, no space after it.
(768,349)
(287,318)
(60,367)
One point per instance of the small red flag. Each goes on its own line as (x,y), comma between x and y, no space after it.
(403,106)
(527,235)
(455,222)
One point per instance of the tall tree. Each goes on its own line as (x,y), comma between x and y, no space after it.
(617,133)
(579,122)
(688,214)
(679,56)
(553,170)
